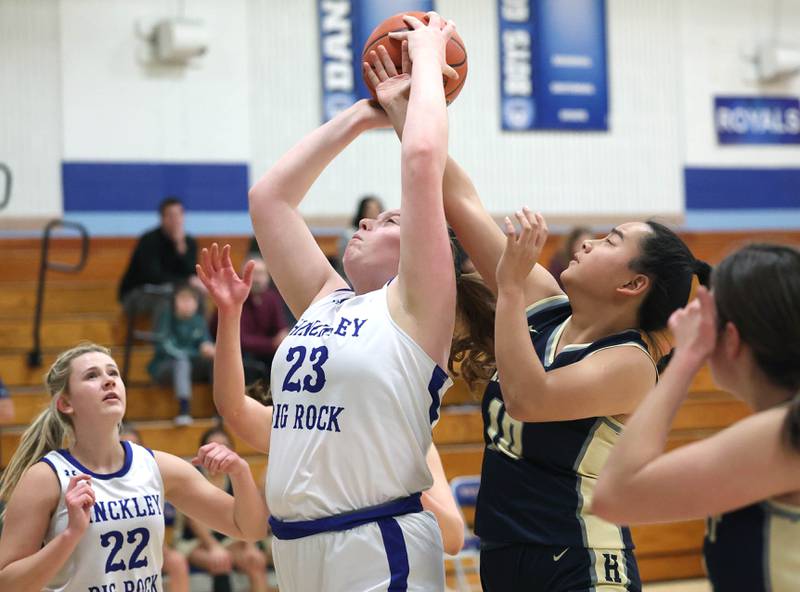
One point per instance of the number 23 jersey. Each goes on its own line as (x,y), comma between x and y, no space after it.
(355,399)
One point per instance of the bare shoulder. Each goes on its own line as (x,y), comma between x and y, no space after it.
(41,483)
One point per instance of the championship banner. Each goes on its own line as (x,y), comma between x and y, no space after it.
(553,65)
(757,120)
(344,26)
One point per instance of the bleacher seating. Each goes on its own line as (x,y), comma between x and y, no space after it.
(84,306)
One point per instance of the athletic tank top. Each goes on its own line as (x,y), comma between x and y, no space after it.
(355,399)
(122,546)
(756,548)
(537,479)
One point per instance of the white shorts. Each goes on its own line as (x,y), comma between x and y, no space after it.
(392,554)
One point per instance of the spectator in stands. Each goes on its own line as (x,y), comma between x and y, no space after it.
(369,206)
(570,244)
(263,324)
(175,565)
(213,551)
(163,257)
(184,349)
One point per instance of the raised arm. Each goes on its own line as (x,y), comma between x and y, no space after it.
(248,419)
(241,516)
(298,266)
(426,280)
(480,236)
(25,564)
(609,382)
(740,465)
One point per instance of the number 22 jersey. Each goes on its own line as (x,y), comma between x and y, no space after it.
(121,550)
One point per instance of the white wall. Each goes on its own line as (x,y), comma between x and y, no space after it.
(713,35)
(30,106)
(633,169)
(117,107)
(71,88)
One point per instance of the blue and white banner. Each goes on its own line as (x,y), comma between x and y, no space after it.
(344,26)
(757,120)
(553,64)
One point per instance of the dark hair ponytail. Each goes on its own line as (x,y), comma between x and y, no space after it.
(757,289)
(670,265)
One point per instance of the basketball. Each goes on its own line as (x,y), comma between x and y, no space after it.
(456,52)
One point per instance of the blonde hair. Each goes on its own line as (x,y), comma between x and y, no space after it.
(51,430)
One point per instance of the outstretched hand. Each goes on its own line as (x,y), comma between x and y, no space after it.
(431,37)
(694,327)
(522,249)
(215,270)
(390,85)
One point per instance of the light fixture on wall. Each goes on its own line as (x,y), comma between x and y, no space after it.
(178,40)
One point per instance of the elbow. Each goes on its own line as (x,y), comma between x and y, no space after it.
(454,541)
(516,406)
(607,504)
(423,155)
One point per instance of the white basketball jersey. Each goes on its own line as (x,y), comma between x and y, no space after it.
(121,550)
(355,399)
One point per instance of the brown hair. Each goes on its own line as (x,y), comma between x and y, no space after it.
(473,341)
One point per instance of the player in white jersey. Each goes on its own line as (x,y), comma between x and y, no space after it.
(251,415)
(89,517)
(357,385)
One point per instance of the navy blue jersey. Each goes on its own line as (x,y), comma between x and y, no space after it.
(756,548)
(538,478)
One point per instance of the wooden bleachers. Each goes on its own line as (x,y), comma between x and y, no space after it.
(83,306)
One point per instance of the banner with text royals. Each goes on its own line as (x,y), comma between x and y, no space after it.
(553,64)
(344,26)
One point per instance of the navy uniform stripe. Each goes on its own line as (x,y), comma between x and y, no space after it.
(396,553)
(438,379)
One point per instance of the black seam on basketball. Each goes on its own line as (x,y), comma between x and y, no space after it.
(460,84)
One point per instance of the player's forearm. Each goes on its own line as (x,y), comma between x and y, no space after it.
(32,573)
(521,374)
(229,384)
(289,179)
(250,512)
(425,130)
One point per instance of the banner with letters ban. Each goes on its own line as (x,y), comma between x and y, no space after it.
(553,71)
(344,26)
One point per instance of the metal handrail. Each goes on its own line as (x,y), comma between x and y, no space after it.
(6,197)
(35,355)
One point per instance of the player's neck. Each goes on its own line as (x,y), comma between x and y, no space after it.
(592,322)
(99,450)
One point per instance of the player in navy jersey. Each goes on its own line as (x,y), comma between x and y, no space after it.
(89,517)
(358,382)
(571,367)
(747,477)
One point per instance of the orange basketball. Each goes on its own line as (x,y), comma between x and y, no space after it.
(456,52)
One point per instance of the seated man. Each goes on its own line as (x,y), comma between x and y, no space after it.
(163,256)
